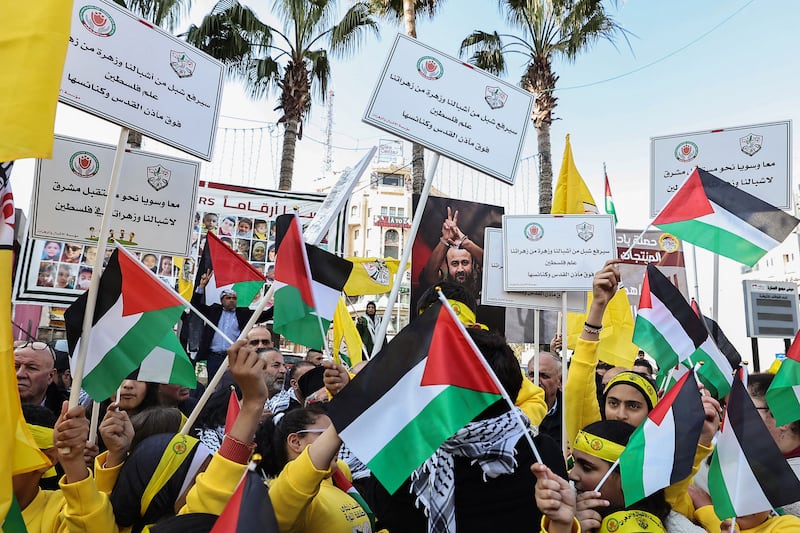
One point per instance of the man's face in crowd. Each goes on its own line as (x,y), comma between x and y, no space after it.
(276,370)
(459,265)
(229,302)
(371,309)
(35,371)
(315,357)
(259,337)
(549,377)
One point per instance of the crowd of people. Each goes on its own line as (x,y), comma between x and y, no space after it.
(143,474)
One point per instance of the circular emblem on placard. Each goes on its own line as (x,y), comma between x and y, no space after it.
(686,151)
(668,243)
(430,68)
(534,231)
(97,21)
(84,164)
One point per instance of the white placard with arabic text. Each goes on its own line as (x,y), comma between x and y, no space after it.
(756,159)
(555,252)
(153,208)
(451,107)
(129,72)
(494,294)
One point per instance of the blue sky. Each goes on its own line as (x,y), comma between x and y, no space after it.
(714,64)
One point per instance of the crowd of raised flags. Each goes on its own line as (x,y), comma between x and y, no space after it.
(430,380)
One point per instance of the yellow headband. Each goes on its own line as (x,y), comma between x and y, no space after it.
(174,455)
(632,522)
(635,380)
(43,437)
(598,447)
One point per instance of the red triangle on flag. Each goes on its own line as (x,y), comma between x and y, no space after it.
(141,289)
(229,267)
(291,264)
(690,202)
(453,361)
(794,350)
(233,410)
(644,297)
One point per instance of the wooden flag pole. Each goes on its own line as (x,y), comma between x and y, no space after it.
(563,328)
(423,199)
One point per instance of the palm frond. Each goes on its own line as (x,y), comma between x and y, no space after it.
(352,30)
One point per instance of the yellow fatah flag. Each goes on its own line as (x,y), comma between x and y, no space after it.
(33,47)
(371,275)
(344,331)
(616,347)
(20,454)
(572,196)
(185,278)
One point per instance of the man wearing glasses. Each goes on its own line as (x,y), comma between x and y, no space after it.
(35,365)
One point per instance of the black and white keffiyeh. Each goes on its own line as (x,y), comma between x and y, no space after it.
(490,443)
(279,402)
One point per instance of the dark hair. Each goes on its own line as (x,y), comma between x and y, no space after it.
(264,439)
(451,291)
(39,415)
(155,420)
(216,409)
(645,363)
(620,432)
(500,357)
(292,422)
(186,523)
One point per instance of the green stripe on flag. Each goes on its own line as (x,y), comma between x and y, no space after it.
(129,352)
(723,506)
(246,291)
(650,339)
(419,439)
(717,240)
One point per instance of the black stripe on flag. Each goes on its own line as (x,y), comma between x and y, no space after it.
(394,361)
(754,211)
(673,300)
(777,480)
(107,295)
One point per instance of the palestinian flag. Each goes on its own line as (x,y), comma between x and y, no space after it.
(715,215)
(668,377)
(308,284)
(610,209)
(661,450)
(668,329)
(425,385)
(748,473)
(229,271)
(168,363)
(720,339)
(233,410)
(134,311)
(347,343)
(371,275)
(783,395)
(249,509)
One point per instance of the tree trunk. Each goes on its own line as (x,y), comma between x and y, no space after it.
(545,169)
(417,150)
(287,154)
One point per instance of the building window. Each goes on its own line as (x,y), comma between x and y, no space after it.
(356,233)
(391,179)
(401,212)
(353,210)
(384,211)
(391,244)
(392,211)
(369,233)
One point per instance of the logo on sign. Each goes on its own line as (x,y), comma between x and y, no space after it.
(84,164)
(430,68)
(495,97)
(585,230)
(97,21)
(750,144)
(181,64)
(534,231)
(686,151)
(158,177)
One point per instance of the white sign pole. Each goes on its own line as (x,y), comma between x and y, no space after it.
(423,199)
(94,285)
(536,355)
(715,296)
(564,372)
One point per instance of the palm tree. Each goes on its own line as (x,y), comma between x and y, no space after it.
(290,59)
(550,29)
(406,10)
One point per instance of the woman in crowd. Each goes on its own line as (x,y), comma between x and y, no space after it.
(136,396)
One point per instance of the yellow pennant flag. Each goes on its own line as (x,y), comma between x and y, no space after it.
(346,340)
(572,196)
(186,274)
(33,47)
(18,454)
(371,275)
(616,347)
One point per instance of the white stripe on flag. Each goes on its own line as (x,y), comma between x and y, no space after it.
(106,334)
(719,359)
(729,222)
(796,391)
(743,488)
(325,299)
(389,415)
(157,366)
(659,453)
(670,328)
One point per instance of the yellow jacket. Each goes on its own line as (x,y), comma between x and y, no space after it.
(76,507)
(777,524)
